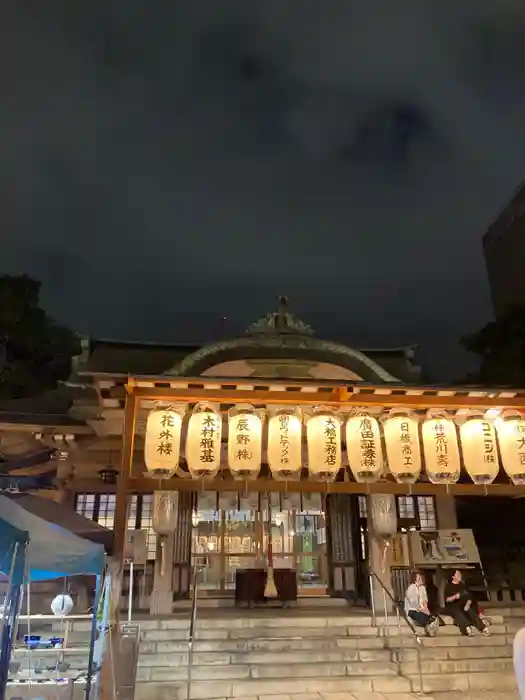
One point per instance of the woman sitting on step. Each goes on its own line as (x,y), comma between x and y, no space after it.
(416,604)
(460,605)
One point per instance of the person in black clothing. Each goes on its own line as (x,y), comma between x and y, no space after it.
(460,605)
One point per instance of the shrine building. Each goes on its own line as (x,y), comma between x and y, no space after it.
(276,447)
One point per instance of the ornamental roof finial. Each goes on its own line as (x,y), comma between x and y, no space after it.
(280,322)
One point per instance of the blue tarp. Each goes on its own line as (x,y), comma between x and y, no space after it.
(9,537)
(52,551)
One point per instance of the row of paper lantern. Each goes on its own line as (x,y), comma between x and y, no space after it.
(481,446)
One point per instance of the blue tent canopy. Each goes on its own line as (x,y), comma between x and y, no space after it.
(52,551)
(9,537)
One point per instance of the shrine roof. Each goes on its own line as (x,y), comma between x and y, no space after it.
(276,335)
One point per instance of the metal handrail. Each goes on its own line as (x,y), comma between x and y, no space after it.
(389,595)
(193,620)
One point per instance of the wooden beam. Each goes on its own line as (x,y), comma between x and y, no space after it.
(147,485)
(300,398)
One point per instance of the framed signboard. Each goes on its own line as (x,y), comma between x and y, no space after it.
(443,548)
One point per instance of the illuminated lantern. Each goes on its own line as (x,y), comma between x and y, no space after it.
(165,512)
(162,441)
(480,452)
(164,520)
(285,439)
(203,441)
(510,429)
(384,514)
(441,449)
(363,447)
(244,441)
(323,434)
(403,451)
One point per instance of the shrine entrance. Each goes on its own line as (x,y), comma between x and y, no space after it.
(233,533)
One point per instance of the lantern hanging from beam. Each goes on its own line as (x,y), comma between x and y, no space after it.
(165,512)
(164,520)
(285,441)
(403,451)
(478,445)
(323,434)
(162,441)
(510,428)
(441,449)
(203,441)
(384,514)
(244,441)
(363,447)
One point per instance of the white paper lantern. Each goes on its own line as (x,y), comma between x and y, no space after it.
(244,442)
(165,512)
(403,451)
(363,446)
(510,429)
(480,452)
(203,441)
(162,441)
(384,514)
(285,438)
(441,449)
(62,605)
(323,434)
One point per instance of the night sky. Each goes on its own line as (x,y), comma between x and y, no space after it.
(166,164)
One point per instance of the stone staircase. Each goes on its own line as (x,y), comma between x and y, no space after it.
(450,662)
(261,653)
(273,652)
(267,652)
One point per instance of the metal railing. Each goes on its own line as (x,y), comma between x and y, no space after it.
(197,568)
(400,613)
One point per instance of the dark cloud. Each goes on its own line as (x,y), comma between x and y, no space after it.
(166,164)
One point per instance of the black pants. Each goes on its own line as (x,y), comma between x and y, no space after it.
(465,618)
(420,618)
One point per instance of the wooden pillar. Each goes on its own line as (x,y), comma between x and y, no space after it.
(379,560)
(122,500)
(162,593)
(182,547)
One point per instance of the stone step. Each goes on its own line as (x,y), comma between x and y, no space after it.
(499,681)
(486,665)
(262,633)
(217,658)
(272,644)
(277,619)
(448,640)
(204,690)
(166,672)
(458,652)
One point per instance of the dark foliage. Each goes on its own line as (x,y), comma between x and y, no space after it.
(35,351)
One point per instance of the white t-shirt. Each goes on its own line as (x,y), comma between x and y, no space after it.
(415,598)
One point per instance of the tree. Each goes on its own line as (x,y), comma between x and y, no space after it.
(35,351)
(501,347)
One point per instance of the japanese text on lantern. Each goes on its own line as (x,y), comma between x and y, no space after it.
(406,444)
(488,443)
(243,439)
(284,439)
(367,444)
(441,443)
(330,442)
(520,441)
(165,439)
(207,442)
